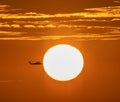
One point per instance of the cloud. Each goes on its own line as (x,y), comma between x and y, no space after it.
(115,19)
(117,1)
(81,37)
(10,33)
(7,8)
(112,11)
(4,8)
(90,24)
(7,25)
(29,26)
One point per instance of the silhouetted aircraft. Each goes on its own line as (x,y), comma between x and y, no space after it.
(35,63)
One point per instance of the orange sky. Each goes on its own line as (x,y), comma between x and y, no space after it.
(29,29)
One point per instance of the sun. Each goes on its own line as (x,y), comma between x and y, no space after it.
(63,62)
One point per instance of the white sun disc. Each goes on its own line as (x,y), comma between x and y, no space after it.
(63,62)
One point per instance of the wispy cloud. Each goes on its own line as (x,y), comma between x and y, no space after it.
(10,33)
(115,19)
(6,8)
(81,37)
(112,11)
(92,23)
(117,1)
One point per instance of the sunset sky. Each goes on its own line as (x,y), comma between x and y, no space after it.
(29,28)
